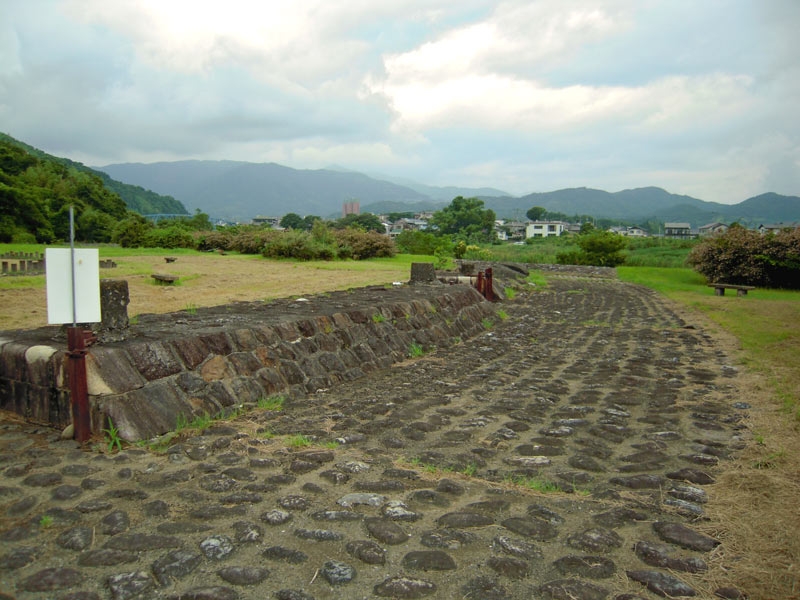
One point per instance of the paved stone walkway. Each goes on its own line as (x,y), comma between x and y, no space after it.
(564,454)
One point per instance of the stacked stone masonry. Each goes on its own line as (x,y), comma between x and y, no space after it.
(190,365)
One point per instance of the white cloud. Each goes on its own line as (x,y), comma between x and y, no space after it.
(521,95)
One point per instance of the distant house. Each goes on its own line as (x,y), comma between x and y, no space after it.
(510,230)
(545,229)
(776,227)
(628,231)
(678,231)
(713,228)
(402,225)
(273,222)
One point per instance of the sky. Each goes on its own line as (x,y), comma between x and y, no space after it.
(697,97)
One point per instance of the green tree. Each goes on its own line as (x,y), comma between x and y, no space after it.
(465,218)
(309,221)
(598,248)
(587,227)
(200,221)
(130,232)
(536,213)
(364,222)
(422,242)
(95,226)
(293,221)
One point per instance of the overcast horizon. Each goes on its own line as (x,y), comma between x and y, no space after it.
(696,98)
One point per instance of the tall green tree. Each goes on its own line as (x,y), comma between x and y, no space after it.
(465,218)
(364,222)
(293,221)
(536,213)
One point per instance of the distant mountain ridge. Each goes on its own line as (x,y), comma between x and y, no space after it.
(136,198)
(243,190)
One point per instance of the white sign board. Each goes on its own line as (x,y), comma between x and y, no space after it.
(65,304)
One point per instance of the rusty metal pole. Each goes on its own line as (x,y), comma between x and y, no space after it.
(479,283)
(78,388)
(488,285)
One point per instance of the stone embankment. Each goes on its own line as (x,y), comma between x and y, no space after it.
(215,360)
(569,452)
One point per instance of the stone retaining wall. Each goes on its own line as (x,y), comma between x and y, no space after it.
(218,363)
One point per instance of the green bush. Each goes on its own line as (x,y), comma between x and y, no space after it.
(597,248)
(299,245)
(130,232)
(421,242)
(746,257)
(252,240)
(220,239)
(360,245)
(169,237)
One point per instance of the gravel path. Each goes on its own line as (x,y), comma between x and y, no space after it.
(565,453)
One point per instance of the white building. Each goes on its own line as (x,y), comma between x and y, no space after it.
(545,229)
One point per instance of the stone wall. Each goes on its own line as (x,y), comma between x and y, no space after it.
(216,361)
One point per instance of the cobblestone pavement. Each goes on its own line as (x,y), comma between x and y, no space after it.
(567,452)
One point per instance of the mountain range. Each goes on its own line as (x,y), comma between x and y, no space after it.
(239,191)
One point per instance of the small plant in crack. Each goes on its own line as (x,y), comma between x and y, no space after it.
(112,437)
(299,441)
(487,323)
(470,470)
(415,350)
(274,403)
(378,318)
(45,521)
(502,315)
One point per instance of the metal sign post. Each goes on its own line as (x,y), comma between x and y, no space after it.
(73,296)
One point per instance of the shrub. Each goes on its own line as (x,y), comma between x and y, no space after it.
(361,245)
(597,248)
(252,240)
(169,237)
(299,245)
(746,257)
(421,242)
(219,239)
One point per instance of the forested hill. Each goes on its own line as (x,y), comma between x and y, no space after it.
(36,191)
(135,197)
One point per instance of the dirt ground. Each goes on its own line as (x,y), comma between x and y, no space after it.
(209,280)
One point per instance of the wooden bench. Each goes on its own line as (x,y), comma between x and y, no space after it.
(168,279)
(741,290)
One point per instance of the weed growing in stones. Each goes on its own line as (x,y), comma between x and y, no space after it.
(487,323)
(470,470)
(331,445)
(299,441)
(510,293)
(378,318)
(201,422)
(415,350)
(502,315)
(181,423)
(274,403)
(265,434)
(134,320)
(45,521)
(112,437)
(534,483)
(191,308)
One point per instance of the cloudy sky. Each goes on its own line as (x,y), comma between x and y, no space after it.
(697,97)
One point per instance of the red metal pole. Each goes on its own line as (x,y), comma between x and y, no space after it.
(78,389)
(488,285)
(479,283)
